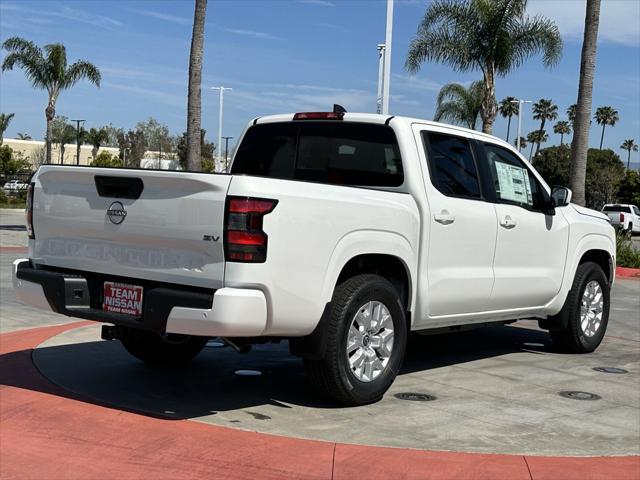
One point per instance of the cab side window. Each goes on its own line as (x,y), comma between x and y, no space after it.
(451,164)
(512,181)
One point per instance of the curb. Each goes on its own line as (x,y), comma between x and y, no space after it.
(628,273)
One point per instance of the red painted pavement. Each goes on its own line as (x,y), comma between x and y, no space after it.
(624,272)
(47,433)
(13,249)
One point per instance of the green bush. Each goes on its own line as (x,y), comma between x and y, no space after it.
(3,197)
(628,256)
(105,159)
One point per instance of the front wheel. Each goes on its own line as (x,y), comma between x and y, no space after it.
(168,349)
(586,309)
(366,341)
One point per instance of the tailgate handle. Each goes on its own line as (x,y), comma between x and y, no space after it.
(119,187)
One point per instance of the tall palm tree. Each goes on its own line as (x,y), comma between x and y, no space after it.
(47,69)
(523,142)
(544,110)
(493,36)
(536,138)
(562,128)
(508,108)
(580,142)
(96,137)
(23,136)
(5,120)
(605,116)
(571,113)
(629,145)
(194,106)
(63,136)
(460,105)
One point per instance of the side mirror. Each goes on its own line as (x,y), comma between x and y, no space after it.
(561,196)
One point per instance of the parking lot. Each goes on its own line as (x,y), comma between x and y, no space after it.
(491,391)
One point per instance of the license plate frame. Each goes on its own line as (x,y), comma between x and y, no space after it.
(122,298)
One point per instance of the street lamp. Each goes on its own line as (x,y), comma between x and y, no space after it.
(78,139)
(387,59)
(381,49)
(222,89)
(520,103)
(226,153)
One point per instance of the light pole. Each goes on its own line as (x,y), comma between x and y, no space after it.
(381,49)
(78,139)
(222,89)
(520,103)
(226,153)
(387,58)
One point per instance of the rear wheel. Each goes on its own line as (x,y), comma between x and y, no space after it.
(586,310)
(167,349)
(366,342)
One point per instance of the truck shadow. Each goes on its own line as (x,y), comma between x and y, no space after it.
(103,373)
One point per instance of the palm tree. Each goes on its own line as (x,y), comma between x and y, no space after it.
(580,142)
(629,145)
(96,137)
(536,138)
(544,110)
(494,37)
(571,113)
(523,142)
(63,136)
(194,107)
(48,70)
(24,136)
(562,128)
(605,116)
(509,107)
(5,120)
(459,105)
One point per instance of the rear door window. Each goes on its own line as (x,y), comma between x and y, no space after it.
(616,208)
(328,152)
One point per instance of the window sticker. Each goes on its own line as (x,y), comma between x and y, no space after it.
(514,183)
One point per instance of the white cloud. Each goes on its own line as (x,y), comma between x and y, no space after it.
(619,19)
(320,3)
(413,82)
(165,17)
(251,33)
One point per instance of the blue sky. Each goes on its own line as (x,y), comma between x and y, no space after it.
(285,56)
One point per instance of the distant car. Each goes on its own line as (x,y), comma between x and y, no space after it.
(14,186)
(624,216)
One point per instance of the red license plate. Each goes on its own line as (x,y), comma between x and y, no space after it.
(122,298)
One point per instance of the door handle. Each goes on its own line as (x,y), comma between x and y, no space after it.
(508,222)
(444,217)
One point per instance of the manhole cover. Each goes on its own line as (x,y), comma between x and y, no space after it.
(610,370)
(579,395)
(215,344)
(248,373)
(414,397)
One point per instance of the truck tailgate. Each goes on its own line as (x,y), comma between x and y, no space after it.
(170,231)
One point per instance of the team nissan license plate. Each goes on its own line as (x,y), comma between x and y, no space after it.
(122,298)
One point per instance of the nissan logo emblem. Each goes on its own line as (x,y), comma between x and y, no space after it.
(116,213)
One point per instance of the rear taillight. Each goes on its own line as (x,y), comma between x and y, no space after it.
(319,116)
(29,210)
(244,240)
(621,217)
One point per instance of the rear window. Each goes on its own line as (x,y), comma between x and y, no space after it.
(616,208)
(328,152)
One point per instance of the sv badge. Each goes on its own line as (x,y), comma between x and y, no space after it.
(211,238)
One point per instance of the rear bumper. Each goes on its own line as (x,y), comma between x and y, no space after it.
(228,312)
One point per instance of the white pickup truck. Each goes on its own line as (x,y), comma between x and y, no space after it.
(340,232)
(624,217)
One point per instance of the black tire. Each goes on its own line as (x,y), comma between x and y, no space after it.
(572,339)
(169,349)
(332,375)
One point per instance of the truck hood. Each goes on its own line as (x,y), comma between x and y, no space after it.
(589,212)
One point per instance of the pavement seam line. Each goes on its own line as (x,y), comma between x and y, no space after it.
(333,461)
(527,464)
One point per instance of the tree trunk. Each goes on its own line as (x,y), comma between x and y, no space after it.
(508,128)
(489,108)
(194,113)
(49,113)
(602,135)
(561,139)
(628,158)
(540,136)
(531,151)
(94,151)
(580,142)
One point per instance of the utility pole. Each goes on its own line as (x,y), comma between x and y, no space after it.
(381,49)
(222,89)
(226,153)
(387,58)
(78,139)
(520,103)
